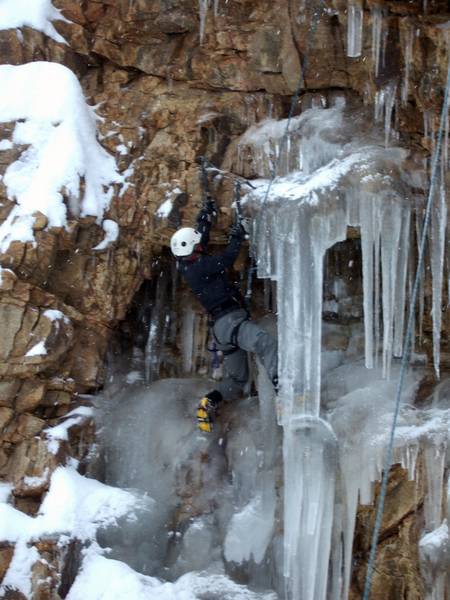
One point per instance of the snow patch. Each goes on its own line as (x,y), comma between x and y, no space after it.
(55,315)
(60,433)
(38,350)
(165,209)
(5,145)
(111,230)
(5,491)
(75,506)
(37,14)
(62,154)
(101,578)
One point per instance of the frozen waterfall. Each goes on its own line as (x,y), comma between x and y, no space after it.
(343,176)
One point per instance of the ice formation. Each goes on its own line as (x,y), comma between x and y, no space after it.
(351,182)
(355,19)
(377,32)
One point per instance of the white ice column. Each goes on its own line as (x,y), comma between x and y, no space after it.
(438,228)
(203,11)
(390,239)
(407,59)
(400,283)
(355,19)
(377,28)
(310,470)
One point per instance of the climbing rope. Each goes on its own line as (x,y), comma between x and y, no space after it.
(407,342)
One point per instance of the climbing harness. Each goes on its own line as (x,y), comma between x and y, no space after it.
(408,341)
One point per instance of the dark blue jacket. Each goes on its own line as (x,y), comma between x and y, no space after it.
(206,274)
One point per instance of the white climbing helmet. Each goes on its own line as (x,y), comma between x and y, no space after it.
(184,240)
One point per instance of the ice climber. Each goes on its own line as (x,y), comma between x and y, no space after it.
(234,332)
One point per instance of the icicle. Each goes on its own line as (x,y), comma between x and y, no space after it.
(407,58)
(380,97)
(354,28)
(377,278)
(377,26)
(310,459)
(390,95)
(390,236)
(187,339)
(434,453)
(158,328)
(445,144)
(203,11)
(400,285)
(367,244)
(438,227)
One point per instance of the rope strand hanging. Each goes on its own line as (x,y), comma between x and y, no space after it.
(408,341)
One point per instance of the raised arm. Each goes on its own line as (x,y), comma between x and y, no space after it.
(204,221)
(219,262)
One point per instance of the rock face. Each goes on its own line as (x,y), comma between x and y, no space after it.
(171,84)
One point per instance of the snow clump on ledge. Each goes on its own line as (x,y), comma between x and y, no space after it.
(37,14)
(62,157)
(75,506)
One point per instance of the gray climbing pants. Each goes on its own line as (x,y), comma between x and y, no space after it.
(235,329)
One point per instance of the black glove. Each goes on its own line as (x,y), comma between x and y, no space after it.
(237,231)
(210,206)
(207,212)
(203,216)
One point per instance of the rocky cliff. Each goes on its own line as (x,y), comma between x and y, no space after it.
(172,80)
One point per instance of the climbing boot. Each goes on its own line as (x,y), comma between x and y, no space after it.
(206,410)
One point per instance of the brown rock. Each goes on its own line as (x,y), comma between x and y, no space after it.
(30,458)
(11,318)
(30,395)
(8,391)
(40,221)
(57,398)
(27,426)
(6,554)
(6,416)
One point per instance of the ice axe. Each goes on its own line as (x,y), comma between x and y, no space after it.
(207,165)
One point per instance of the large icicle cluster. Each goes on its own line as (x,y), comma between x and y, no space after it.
(345,177)
(307,213)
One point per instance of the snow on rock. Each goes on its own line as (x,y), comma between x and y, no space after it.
(37,14)
(18,575)
(75,506)
(38,349)
(5,145)
(5,491)
(59,130)
(102,578)
(60,432)
(111,230)
(164,210)
(55,315)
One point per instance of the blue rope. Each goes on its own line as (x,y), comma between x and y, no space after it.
(407,343)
